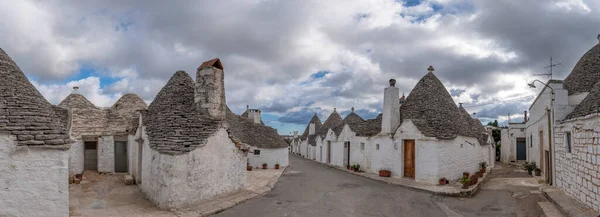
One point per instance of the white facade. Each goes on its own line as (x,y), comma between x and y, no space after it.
(76,157)
(543,114)
(577,169)
(510,139)
(269,156)
(173,181)
(34,180)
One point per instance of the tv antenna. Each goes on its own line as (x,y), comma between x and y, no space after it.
(549,72)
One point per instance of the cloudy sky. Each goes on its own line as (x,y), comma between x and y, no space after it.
(294,58)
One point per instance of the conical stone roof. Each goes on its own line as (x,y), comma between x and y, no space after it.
(173,124)
(352,120)
(331,122)
(431,108)
(586,72)
(476,128)
(311,138)
(589,105)
(76,100)
(249,133)
(123,115)
(25,113)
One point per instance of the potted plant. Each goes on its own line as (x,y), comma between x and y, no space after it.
(264,166)
(530,167)
(474,179)
(277,166)
(538,172)
(465,175)
(443,181)
(482,166)
(465,182)
(384,172)
(248,168)
(356,167)
(348,167)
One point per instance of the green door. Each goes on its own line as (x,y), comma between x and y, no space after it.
(120,157)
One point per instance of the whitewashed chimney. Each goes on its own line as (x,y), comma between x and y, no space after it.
(75,90)
(254,115)
(210,89)
(391,108)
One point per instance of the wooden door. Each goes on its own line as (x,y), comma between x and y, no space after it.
(409,158)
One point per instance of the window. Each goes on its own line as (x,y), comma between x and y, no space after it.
(256,152)
(362,146)
(395,146)
(530,141)
(568,141)
(376,146)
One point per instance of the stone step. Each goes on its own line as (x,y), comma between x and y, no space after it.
(550,210)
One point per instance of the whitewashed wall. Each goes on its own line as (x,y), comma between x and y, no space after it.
(215,169)
(106,154)
(269,156)
(33,181)
(462,154)
(508,143)
(357,156)
(76,157)
(578,172)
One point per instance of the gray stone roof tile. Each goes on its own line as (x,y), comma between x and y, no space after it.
(25,113)
(432,109)
(173,124)
(257,135)
(589,105)
(586,72)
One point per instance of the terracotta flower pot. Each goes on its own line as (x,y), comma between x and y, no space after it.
(348,167)
(442,181)
(385,173)
(249,168)
(355,169)
(264,166)
(482,170)
(276,166)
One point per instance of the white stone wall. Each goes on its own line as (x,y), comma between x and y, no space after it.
(508,142)
(76,157)
(106,154)
(269,156)
(357,156)
(132,155)
(33,181)
(174,181)
(462,154)
(578,172)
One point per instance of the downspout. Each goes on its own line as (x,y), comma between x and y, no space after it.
(550,169)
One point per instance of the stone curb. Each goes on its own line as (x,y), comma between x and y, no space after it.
(471,191)
(233,202)
(572,209)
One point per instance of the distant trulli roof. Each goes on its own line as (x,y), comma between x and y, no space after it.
(123,114)
(586,72)
(589,105)
(75,100)
(25,113)
(369,127)
(252,134)
(173,123)
(245,115)
(432,110)
(352,120)
(311,138)
(331,122)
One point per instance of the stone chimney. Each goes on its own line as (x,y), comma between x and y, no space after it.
(391,108)
(209,96)
(598,37)
(525,117)
(311,128)
(295,134)
(75,89)
(254,115)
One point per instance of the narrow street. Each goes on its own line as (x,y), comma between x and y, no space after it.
(308,188)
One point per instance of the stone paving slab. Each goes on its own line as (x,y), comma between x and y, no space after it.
(453,189)
(107,195)
(550,210)
(566,204)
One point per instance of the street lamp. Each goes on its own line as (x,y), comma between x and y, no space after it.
(550,128)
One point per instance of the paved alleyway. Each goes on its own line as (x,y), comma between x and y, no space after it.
(308,188)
